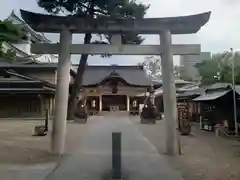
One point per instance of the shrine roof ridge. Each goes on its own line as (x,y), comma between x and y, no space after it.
(112,66)
(133,75)
(177,25)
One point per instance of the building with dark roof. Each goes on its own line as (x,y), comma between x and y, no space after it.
(217,106)
(27,87)
(118,87)
(114,87)
(129,75)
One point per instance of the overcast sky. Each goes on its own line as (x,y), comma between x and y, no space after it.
(221,33)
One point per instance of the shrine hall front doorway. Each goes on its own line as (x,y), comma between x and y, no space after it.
(114,103)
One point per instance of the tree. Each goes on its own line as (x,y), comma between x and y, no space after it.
(184,76)
(181,74)
(152,65)
(126,9)
(8,33)
(219,68)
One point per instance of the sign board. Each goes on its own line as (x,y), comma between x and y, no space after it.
(183,118)
(208,117)
(182,111)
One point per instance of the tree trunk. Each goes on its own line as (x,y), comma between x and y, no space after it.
(77,85)
(72,102)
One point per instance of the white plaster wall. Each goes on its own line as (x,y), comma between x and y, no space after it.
(25,47)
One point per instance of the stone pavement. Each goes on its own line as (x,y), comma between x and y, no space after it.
(92,160)
(26,172)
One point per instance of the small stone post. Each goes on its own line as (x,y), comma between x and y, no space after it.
(100,103)
(217,130)
(201,124)
(116,155)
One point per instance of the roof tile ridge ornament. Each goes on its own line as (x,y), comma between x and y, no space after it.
(114,73)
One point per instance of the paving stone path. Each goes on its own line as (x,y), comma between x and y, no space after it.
(92,160)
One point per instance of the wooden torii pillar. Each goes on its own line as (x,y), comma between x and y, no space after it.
(66,26)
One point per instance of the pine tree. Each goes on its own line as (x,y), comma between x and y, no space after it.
(124,9)
(8,33)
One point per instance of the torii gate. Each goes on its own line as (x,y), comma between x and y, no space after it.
(66,26)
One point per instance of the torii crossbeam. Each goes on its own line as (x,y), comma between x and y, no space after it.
(98,49)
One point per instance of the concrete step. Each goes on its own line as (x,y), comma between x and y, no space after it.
(114,113)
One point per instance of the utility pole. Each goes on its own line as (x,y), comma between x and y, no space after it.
(234,92)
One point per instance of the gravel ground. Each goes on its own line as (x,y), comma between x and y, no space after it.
(19,146)
(205,157)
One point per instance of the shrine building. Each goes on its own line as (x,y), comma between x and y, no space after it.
(115,88)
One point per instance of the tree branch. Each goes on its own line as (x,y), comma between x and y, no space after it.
(94,10)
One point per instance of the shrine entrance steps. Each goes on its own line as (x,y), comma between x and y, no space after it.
(114,113)
(92,160)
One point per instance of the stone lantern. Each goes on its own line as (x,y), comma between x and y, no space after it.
(149,113)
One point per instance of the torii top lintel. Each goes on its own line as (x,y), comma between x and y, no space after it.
(177,25)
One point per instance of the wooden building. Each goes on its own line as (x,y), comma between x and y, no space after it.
(181,87)
(26,88)
(115,88)
(186,94)
(27,82)
(217,107)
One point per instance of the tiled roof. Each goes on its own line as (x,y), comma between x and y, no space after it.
(219,85)
(18,83)
(177,81)
(20,62)
(211,96)
(132,75)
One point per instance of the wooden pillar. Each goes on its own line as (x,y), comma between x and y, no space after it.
(42,105)
(169,92)
(50,106)
(128,103)
(62,92)
(100,103)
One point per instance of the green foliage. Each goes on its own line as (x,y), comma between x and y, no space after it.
(117,9)
(9,55)
(219,68)
(9,33)
(122,9)
(183,75)
(180,73)
(113,8)
(152,64)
